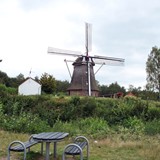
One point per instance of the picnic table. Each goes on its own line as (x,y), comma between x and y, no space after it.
(50,137)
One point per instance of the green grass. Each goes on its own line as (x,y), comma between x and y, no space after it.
(113,147)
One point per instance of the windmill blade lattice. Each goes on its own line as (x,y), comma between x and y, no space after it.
(62,52)
(108,61)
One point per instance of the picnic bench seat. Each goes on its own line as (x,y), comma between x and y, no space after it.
(76,148)
(18,146)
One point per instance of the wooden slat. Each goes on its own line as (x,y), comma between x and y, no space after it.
(73,150)
(19,148)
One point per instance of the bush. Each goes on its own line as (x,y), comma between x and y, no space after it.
(93,127)
(96,127)
(7,90)
(25,123)
(127,112)
(153,112)
(134,124)
(152,127)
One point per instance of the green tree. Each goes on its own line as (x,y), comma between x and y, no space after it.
(134,90)
(48,83)
(11,82)
(111,89)
(115,87)
(153,70)
(4,79)
(20,79)
(61,86)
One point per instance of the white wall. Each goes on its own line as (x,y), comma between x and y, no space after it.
(29,87)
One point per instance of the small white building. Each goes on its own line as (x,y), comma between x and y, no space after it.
(29,87)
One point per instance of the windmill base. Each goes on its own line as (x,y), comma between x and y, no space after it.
(82,93)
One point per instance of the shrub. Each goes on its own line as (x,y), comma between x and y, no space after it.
(152,127)
(7,90)
(26,123)
(153,112)
(89,107)
(70,127)
(127,112)
(134,124)
(96,127)
(93,127)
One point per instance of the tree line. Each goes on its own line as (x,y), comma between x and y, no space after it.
(50,85)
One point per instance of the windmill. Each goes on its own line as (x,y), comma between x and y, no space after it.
(83,78)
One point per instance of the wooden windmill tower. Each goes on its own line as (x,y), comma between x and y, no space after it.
(83,81)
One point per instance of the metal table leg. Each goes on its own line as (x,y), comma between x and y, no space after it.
(47,150)
(55,149)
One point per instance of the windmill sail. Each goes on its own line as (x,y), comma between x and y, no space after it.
(58,51)
(88,37)
(108,60)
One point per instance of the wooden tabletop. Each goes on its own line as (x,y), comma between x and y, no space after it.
(50,136)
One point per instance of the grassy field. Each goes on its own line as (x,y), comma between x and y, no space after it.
(113,147)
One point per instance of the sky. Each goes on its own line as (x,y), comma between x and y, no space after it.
(120,28)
